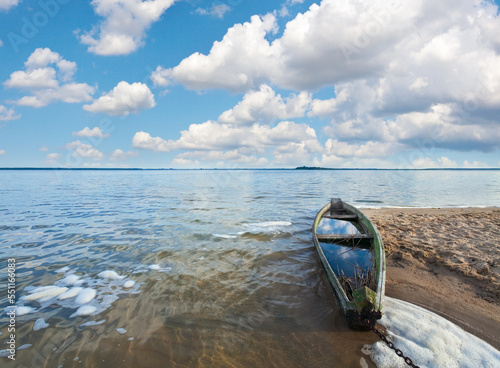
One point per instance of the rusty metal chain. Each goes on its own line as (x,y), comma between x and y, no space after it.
(382,337)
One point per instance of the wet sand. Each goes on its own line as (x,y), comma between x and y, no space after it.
(447,261)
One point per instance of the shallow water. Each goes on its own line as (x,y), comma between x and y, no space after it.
(225,271)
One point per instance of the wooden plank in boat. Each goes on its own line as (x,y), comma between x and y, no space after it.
(341,217)
(343,236)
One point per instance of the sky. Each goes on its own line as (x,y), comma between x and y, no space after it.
(250,84)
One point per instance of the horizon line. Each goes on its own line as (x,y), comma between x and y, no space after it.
(303,168)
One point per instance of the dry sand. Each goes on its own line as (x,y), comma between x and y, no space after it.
(446,260)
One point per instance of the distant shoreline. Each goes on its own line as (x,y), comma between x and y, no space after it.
(240,169)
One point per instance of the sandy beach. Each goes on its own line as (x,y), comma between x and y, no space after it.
(447,261)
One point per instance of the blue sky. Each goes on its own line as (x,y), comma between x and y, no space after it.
(239,83)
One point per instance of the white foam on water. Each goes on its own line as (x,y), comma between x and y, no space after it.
(45,293)
(39,324)
(429,340)
(128,284)
(85,296)
(22,310)
(110,275)
(71,280)
(92,323)
(70,293)
(64,269)
(157,267)
(224,236)
(38,289)
(267,226)
(85,310)
(131,339)
(94,296)
(121,331)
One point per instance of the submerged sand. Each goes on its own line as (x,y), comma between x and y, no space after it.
(447,261)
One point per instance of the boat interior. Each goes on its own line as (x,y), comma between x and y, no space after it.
(345,243)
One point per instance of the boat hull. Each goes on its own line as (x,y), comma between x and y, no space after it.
(368,304)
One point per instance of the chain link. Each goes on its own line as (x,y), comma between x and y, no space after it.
(382,337)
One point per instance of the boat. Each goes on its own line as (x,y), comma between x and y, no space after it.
(352,253)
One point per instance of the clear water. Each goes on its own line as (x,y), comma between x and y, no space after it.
(225,271)
(346,260)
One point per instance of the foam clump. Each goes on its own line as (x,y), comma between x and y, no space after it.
(270,223)
(71,280)
(85,296)
(22,310)
(84,310)
(429,340)
(95,295)
(110,275)
(128,284)
(45,292)
(154,267)
(121,331)
(224,236)
(71,293)
(40,324)
(267,226)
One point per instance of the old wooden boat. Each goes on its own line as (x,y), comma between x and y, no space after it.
(353,256)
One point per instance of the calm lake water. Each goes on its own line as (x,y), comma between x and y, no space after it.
(190,268)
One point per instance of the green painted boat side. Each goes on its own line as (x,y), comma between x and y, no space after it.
(378,255)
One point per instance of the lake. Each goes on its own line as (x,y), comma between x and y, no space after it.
(190,268)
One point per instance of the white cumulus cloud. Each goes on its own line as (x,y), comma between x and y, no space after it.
(120,155)
(429,163)
(145,141)
(49,78)
(265,105)
(7,114)
(124,26)
(94,132)
(239,62)
(391,65)
(339,41)
(123,99)
(401,76)
(215,141)
(475,164)
(220,158)
(217,10)
(84,150)
(53,156)
(7,4)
